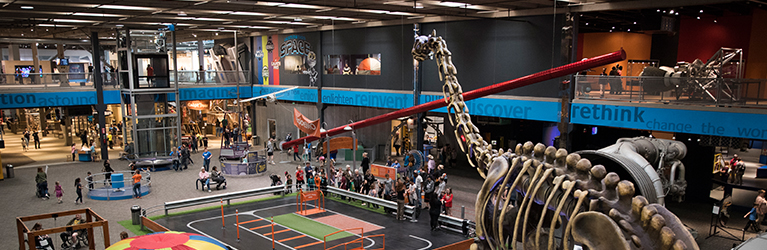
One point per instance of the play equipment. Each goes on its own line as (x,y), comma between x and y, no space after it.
(533,175)
(236,151)
(169,240)
(256,165)
(114,188)
(353,242)
(92,219)
(303,198)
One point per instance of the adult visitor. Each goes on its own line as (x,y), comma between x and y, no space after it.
(365,162)
(42,183)
(270,151)
(36,137)
(400,189)
(761,209)
(137,185)
(206,155)
(108,172)
(434,210)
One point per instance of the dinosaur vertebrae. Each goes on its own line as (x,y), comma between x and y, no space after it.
(556,186)
(562,182)
(478,151)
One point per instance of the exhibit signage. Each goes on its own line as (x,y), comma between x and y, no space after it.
(337,143)
(498,107)
(304,124)
(56,99)
(724,123)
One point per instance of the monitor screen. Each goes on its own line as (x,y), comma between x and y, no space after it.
(63,62)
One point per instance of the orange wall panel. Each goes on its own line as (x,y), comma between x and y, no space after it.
(636,45)
(756,66)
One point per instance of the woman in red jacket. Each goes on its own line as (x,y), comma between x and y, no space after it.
(447,200)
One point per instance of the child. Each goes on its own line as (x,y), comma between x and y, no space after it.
(288,183)
(752,219)
(24,144)
(59,192)
(79,191)
(447,200)
(299,178)
(89,179)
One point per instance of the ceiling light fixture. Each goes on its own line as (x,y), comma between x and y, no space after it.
(182,13)
(27,7)
(298,19)
(417,6)
(119,25)
(635,22)
(487,11)
(124,7)
(300,6)
(587,24)
(270,17)
(323,10)
(453,4)
(313,26)
(714,20)
(698,18)
(194,35)
(415,17)
(217,33)
(95,14)
(359,22)
(157,12)
(244,13)
(701,11)
(230,22)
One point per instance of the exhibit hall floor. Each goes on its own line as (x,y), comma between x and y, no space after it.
(18,197)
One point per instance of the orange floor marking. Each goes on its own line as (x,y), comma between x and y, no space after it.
(308,245)
(291,238)
(267,225)
(341,221)
(276,232)
(246,222)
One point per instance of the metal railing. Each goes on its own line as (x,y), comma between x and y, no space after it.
(672,90)
(127,180)
(218,198)
(111,80)
(70,81)
(449,222)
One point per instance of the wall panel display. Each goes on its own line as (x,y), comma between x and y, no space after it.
(359,64)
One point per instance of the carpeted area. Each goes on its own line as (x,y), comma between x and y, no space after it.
(310,227)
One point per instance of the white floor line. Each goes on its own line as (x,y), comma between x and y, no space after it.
(422,239)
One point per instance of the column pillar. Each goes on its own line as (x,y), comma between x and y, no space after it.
(13,52)
(35,63)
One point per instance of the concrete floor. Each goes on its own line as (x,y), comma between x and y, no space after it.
(19,199)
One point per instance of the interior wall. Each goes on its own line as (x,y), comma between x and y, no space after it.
(756,66)
(636,45)
(489,51)
(700,39)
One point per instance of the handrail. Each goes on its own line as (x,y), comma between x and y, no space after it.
(325,238)
(409,210)
(217,198)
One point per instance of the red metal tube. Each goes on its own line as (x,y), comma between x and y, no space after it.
(477,93)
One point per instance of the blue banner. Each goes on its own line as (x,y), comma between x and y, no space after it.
(56,99)
(506,108)
(727,124)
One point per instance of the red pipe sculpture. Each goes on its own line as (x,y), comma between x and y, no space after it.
(477,93)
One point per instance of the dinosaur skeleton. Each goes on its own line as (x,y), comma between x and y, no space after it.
(555,187)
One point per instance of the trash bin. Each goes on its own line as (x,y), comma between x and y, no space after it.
(135,212)
(255,140)
(9,171)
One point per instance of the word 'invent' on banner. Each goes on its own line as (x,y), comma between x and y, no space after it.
(304,124)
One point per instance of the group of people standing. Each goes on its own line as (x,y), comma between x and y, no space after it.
(732,171)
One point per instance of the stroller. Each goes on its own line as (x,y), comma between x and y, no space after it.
(276,181)
(74,239)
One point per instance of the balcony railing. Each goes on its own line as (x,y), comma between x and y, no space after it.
(84,81)
(668,90)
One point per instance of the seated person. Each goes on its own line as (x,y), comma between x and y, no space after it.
(128,151)
(42,241)
(204,179)
(218,177)
(395,164)
(73,233)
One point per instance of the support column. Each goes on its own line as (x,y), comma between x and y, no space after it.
(568,53)
(67,127)
(201,58)
(35,63)
(419,128)
(13,52)
(100,106)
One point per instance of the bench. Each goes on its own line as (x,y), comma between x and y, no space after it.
(198,183)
